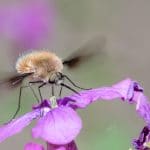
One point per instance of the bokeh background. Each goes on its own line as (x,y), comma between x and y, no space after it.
(63,26)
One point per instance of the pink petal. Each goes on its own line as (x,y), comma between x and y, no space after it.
(28,23)
(59,126)
(69,146)
(33,146)
(126,90)
(123,90)
(142,106)
(17,125)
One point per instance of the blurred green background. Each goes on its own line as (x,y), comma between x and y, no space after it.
(64,26)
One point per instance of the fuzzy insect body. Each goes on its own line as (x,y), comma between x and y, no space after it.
(43,64)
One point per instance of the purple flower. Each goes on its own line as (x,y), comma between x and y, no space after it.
(27,24)
(33,146)
(59,124)
(69,146)
(144,137)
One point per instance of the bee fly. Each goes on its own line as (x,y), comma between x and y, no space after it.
(45,67)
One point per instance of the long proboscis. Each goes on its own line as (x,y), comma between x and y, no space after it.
(93,47)
(14,81)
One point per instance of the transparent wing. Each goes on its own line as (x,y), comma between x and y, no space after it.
(14,80)
(91,48)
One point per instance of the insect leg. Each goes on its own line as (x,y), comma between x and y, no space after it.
(61,88)
(60,91)
(53,92)
(19,104)
(37,99)
(39,89)
(35,82)
(65,76)
(68,87)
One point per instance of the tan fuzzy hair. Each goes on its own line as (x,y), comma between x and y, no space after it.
(41,63)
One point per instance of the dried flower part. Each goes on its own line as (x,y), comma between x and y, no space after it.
(147,144)
(53,102)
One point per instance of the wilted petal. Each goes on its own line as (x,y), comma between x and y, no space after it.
(59,126)
(17,125)
(33,146)
(69,146)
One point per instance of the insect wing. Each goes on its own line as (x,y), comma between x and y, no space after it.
(14,80)
(91,48)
